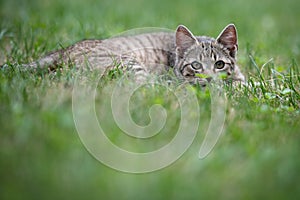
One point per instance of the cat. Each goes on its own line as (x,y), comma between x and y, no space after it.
(195,59)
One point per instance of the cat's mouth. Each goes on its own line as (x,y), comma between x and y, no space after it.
(201,81)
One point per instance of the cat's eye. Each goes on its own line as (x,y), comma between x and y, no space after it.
(219,64)
(196,65)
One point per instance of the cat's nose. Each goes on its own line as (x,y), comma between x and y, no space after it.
(208,79)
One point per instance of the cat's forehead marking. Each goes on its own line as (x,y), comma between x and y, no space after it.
(212,49)
(207,51)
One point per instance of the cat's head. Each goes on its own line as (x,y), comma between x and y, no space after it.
(202,59)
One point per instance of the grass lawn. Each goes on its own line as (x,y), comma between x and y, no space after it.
(257,156)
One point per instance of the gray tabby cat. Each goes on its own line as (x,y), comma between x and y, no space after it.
(196,59)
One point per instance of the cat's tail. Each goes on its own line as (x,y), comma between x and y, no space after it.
(51,61)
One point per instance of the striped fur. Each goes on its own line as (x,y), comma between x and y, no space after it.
(193,59)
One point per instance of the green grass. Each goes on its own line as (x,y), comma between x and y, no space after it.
(257,157)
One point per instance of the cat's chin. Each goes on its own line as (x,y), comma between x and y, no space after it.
(200,82)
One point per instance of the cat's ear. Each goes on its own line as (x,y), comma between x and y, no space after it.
(228,38)
(184,38)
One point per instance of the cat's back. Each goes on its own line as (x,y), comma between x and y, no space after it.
(155,47)
(155,40)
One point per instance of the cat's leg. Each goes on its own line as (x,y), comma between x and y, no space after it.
(137,70)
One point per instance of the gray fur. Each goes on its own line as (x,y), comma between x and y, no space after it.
(155,53)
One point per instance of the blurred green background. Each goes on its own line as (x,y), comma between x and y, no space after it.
(41,156)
